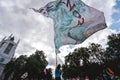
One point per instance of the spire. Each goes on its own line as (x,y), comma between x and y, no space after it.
(4,38)
(18,41)
(7,50)
(10,36)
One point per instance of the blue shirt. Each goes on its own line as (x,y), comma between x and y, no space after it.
(57,73)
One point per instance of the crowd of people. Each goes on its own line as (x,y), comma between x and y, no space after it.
(107,74)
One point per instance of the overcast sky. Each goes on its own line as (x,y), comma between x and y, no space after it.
(36,31)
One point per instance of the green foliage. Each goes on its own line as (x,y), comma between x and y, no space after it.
(81,61)
(34,65)
(113,53)
(92,60)
(49,74)
(114,45)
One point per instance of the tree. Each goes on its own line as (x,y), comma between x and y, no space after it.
(33,65)
(74,61)
(114,45)
(15,68)
(96,53)
(97,57)
(84,61)
(113,50)
(19,69)
(36,64)
(49,74)
(9,68)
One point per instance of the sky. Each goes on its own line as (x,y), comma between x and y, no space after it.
(35,31)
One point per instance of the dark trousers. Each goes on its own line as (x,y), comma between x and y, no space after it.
(57,78)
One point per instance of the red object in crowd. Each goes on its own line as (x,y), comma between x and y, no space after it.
(45,72)
(87,78)
(110,71)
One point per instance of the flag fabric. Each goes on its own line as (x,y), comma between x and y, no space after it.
(74,21)
(110,71)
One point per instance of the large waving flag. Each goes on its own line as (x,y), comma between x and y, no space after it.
(74,21)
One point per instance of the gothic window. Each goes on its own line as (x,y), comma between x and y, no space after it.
(9,47)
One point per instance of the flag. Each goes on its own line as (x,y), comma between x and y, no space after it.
(110,71)
(74,21)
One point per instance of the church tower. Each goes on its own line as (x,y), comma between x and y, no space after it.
(7,51)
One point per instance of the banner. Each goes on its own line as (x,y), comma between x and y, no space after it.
(74,21)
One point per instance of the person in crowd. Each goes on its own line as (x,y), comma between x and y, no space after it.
(58,72)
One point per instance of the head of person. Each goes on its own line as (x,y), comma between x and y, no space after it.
(58,66)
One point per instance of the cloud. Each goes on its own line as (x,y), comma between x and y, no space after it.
(118,21)
(116,11)
(34,30)
(30,27)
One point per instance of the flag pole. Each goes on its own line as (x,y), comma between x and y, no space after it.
(56,59)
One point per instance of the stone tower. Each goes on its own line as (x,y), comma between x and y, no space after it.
(7,51)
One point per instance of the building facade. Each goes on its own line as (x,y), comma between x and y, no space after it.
(7,51)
